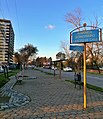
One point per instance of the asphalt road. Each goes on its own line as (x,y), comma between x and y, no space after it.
(93,79)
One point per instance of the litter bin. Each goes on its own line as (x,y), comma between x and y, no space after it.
(77,79)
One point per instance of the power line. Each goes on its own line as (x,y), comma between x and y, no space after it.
(2,13)
(8,9)
(17,19)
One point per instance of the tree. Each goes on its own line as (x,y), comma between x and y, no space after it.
(74,18)
(95,55)
(17,59)
(60,55)
(50,61)
(65,47)
(74,57)
(93,50)
(24,53)
(41,61)
(27,51)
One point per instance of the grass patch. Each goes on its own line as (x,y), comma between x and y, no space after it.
(48,73)
(13,72)
(94,73)
(4,80)
(96,88)
(37,69)
(71,81)
(89,86)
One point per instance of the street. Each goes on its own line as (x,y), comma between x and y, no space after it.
(93,79)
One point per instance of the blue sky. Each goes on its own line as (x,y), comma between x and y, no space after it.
(42,22)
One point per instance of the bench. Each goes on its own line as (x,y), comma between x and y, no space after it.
(19,78)
(77,79)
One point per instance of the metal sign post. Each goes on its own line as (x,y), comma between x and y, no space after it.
(85,36)
(85,95)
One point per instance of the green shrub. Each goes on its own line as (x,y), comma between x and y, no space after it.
(4,80)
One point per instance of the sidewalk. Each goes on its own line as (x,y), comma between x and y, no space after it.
(54,99)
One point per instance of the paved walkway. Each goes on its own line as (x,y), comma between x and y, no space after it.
(54,99)
(16,98)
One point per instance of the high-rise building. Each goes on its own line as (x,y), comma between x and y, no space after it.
(6,41)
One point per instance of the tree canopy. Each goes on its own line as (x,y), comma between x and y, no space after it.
(60,55)
(24,53)
(94,51)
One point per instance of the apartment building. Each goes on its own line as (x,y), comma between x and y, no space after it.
(6,41)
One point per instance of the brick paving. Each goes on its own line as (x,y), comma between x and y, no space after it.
(16,98)
(52,98)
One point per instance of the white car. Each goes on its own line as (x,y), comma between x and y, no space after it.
(1,69)
(54,68)
(101,68)
(67,69)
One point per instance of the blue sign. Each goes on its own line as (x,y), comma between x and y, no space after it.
(77,48)
(85,36)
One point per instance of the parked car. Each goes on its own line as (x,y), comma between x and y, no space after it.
(1,69)
(12,66)
(47,67)
(67,69)
(101,68)
(54,68)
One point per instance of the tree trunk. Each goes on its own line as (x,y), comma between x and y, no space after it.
(97,67)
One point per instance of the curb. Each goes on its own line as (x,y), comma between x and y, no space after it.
(16,99)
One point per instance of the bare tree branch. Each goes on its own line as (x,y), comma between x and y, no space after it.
(75,17)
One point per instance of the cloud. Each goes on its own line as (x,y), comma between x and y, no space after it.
(50,27)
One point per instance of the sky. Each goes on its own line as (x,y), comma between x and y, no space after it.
(42,23)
